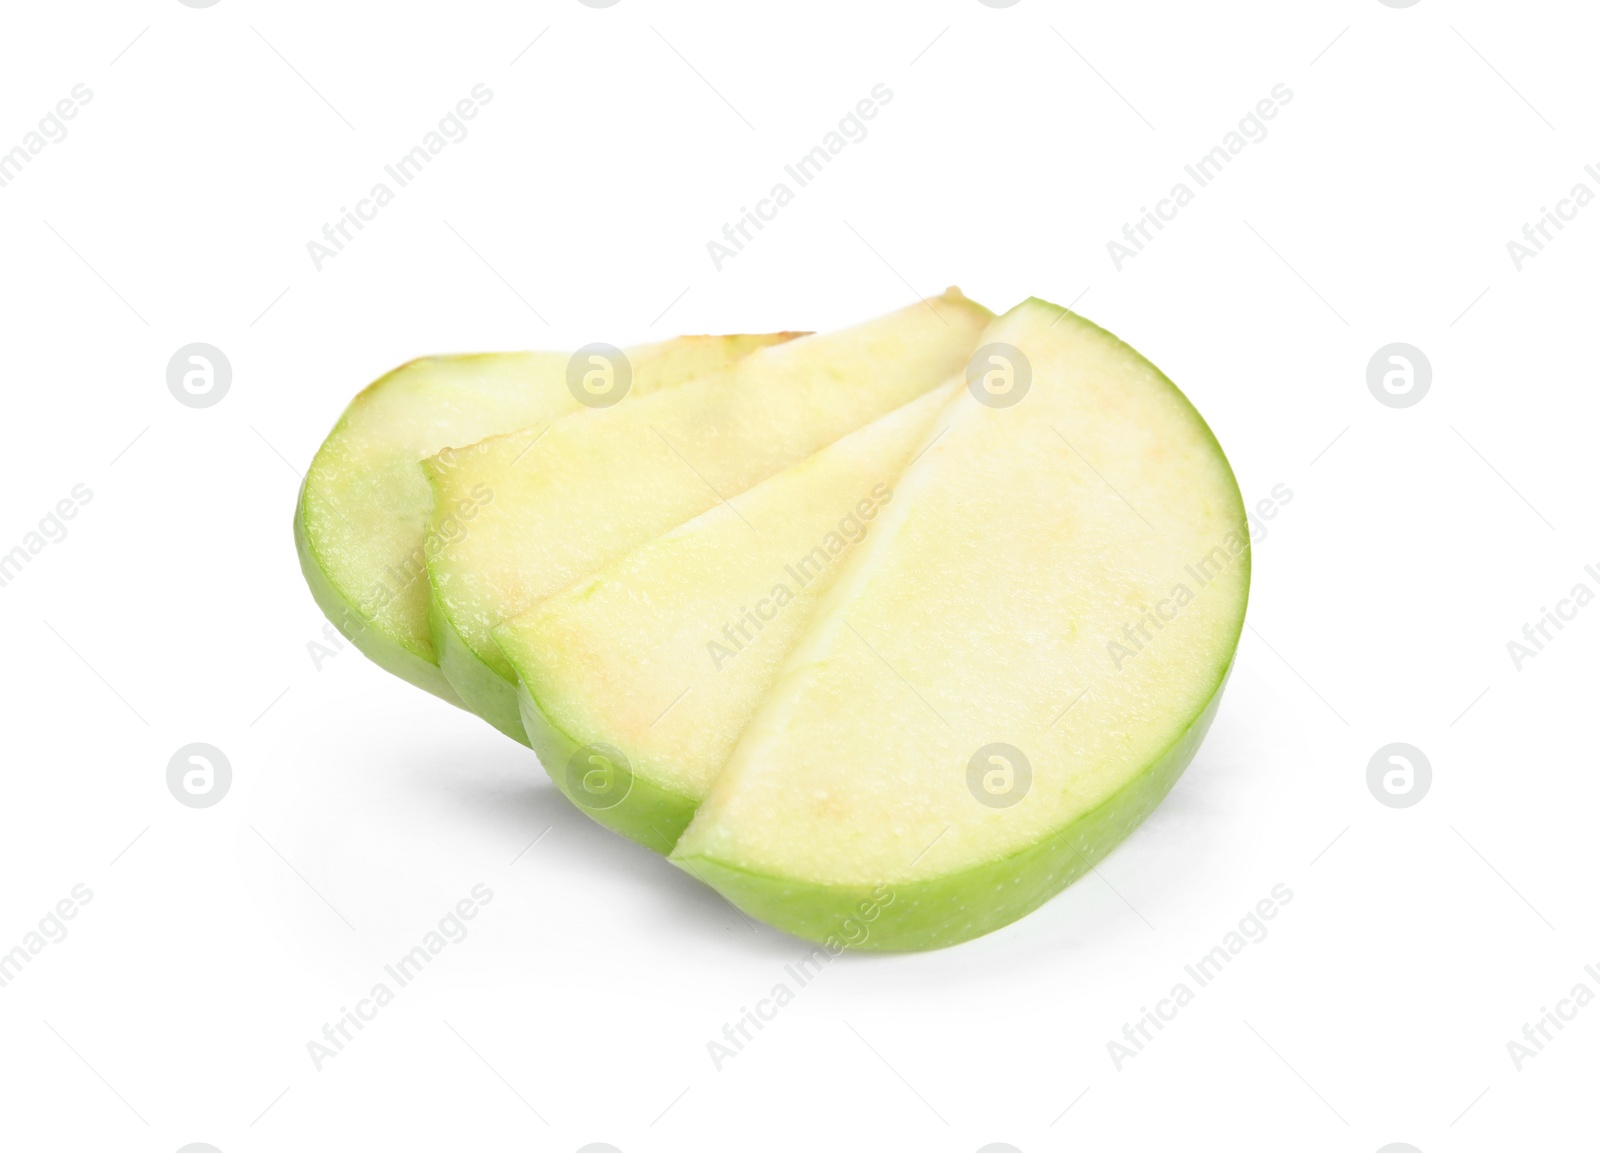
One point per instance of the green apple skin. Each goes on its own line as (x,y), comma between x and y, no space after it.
(952,909)
(380,647)
(493,697)
(489,392)
(652,815)
(479,673)
(957,907)
(708,561)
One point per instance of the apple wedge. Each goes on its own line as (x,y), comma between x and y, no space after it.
(548,506)
(1010,672)
(364,506)
(636,681)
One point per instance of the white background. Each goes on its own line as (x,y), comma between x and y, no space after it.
(219,941)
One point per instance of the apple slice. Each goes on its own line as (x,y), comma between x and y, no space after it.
(649,669)
(1009,674)
(364,507)
(521,516)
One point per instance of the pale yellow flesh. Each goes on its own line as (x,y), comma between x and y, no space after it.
(366,502)
(665,653)
(983,609)
(568,498)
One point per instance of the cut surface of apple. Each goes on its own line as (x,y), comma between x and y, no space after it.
(548,506)
(636,681)
(364,506)
(1010,672)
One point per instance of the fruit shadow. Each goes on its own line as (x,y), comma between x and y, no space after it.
(501,792)
(502,789)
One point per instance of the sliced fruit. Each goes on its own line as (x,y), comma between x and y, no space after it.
(1010,673)
(365,504)
(552,505)
(653,665)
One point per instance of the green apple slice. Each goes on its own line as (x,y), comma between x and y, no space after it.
(654,663)
(1012,671)
(521,516)
(365,504)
